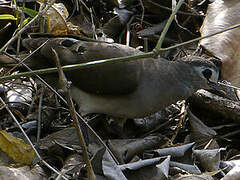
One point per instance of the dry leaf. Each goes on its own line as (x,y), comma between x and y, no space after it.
(56,19)
(221,15)
(16,148)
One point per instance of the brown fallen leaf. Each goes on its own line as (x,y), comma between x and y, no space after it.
(16,148)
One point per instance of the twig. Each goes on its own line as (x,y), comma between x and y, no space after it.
(181,119)
(39,117)
(29,141)
(143,11)
(109,61)
(93,25)
(26,26)
(165,30)
(64,86)
(65,102)
(21,25)
(21,62)
(76,66)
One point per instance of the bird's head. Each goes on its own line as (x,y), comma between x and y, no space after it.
(204,74)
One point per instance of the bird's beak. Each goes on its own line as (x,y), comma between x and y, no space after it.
(213,85)
(216,88)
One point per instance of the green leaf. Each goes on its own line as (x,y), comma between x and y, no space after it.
(7,17)
(15,3)
(25,21)
(30,12)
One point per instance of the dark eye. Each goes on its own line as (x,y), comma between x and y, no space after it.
(67,43)
(81,50)
(207,73)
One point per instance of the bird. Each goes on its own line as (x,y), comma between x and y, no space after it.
(130,90)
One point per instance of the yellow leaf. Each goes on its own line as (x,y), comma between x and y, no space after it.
(16,148)
(7,17)
(56,17)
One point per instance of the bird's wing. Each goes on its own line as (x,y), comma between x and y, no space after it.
(109,79)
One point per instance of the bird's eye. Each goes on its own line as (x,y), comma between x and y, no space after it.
(207,73)
(81,50)
(67,43)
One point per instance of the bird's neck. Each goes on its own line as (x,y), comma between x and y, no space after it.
(176,88)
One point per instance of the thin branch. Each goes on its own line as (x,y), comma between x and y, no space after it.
(26,26)
(28,140)
(65,102)
(39,117)
(111,60)
(64,86)
(76,66)
(165,30)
